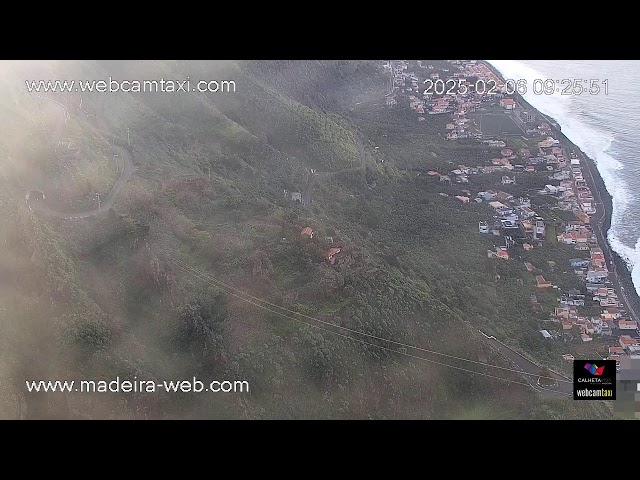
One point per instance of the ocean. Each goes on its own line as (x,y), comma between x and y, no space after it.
(605,127)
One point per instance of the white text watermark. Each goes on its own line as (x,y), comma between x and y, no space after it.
(137,386)
(132,86)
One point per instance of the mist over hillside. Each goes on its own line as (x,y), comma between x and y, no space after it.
(158,236)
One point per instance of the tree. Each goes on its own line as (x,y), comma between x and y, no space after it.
(200,318)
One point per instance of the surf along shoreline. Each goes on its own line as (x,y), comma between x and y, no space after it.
(619,275)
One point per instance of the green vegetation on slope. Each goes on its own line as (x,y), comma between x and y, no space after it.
(133,292)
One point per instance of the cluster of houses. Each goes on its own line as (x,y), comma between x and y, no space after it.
(509,162)
(425,99)
(549,159)
(483,73)
(331,254)
(480,71)
(514,221)
(574,195)
(407,84)
(518,223)
(461,126)
(472,100)
(611,323)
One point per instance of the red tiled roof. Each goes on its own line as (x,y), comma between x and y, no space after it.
(540,280)
(308,231)
(332,253)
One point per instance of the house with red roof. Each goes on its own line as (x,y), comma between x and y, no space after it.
(541,282)
(506,152)
(615,350)
(501,161)
(583,217)
(627,341)
(331,255)
(504,196)
(508,103)
(307,232)
(627,325)
(503,254)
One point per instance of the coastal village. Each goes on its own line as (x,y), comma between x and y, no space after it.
(590,319)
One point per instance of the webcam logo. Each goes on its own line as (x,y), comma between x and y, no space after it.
(594,369)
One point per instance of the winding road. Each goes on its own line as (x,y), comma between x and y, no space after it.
(564,386)
(107,203)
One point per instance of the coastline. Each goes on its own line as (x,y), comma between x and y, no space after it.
(601,221)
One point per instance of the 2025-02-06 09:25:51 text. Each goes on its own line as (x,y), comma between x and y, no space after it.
(549,86)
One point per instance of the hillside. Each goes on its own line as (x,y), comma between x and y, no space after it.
(200,268)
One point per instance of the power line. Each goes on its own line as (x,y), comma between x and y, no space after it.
(349,337)
(218,283)
(352,330)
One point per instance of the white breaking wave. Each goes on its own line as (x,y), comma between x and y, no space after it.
(593,141)
(631,256)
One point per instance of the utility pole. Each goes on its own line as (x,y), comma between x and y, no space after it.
(99,204)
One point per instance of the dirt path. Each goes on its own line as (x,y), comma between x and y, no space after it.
(307,193)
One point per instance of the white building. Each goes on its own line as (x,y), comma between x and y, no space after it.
(595,276)
(539,230)
(507,180)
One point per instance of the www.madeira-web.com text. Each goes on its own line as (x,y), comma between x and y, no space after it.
(137,386)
